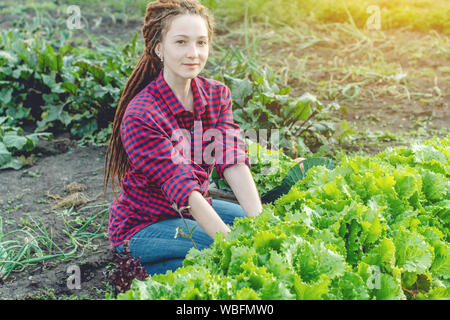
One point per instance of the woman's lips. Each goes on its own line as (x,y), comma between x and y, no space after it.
(191,65)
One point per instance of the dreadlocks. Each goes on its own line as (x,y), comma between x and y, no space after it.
(158,17)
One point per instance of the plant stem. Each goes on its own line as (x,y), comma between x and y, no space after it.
(184,221)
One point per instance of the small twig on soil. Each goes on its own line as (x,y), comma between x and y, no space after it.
(75,199)
(75,187)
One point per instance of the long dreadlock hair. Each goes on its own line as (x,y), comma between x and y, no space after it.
(158,17)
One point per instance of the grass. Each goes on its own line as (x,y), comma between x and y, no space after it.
(350,56)
(420,15)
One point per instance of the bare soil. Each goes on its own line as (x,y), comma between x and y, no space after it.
(24,196)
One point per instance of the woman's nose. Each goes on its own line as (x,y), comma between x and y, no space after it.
(192,51)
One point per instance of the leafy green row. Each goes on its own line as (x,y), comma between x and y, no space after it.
(262,104)
(372,228)
(59,87)
(13,141)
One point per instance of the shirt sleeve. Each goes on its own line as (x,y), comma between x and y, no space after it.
(151,152)
(234,149)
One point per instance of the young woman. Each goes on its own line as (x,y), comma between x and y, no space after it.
(166,96)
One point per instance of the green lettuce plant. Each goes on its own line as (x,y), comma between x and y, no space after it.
(371,228)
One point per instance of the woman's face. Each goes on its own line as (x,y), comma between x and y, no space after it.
(184,47)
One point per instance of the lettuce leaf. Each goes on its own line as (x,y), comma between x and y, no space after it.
(412,252)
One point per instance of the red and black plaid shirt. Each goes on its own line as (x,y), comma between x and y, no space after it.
(160,173)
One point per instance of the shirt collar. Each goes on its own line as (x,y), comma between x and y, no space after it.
(172,101)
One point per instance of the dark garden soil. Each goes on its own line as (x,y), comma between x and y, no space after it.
(30,194)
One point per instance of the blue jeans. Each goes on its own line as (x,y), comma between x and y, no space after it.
(160,251)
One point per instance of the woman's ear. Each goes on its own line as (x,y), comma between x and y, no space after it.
(158,50)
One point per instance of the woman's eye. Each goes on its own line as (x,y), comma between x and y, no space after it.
(202,43)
